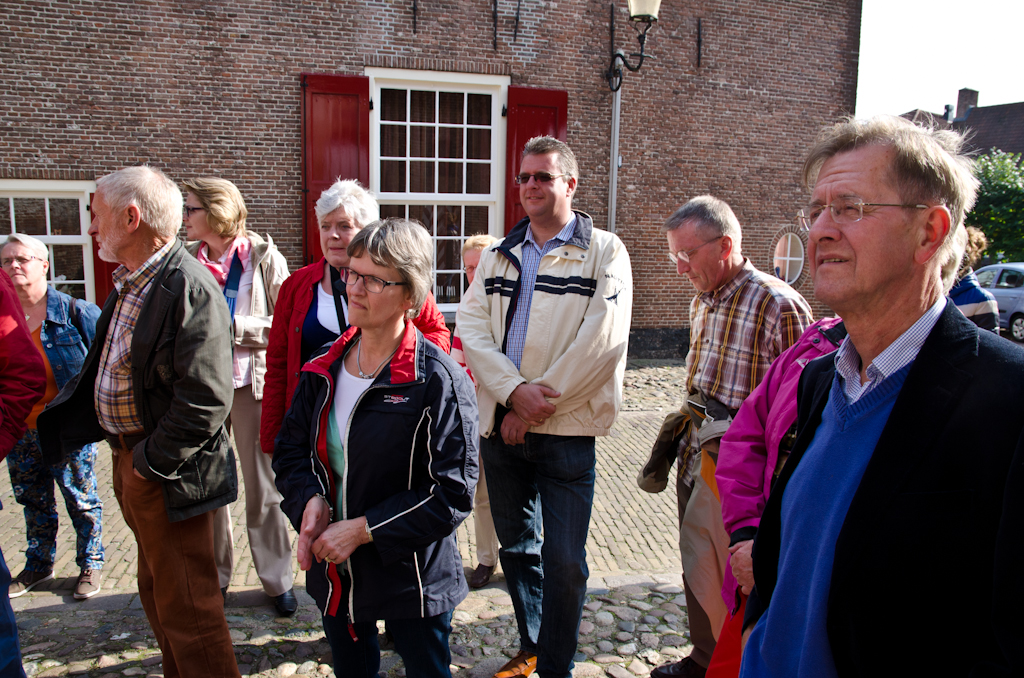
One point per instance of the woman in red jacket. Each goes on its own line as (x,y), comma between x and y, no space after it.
(312,310)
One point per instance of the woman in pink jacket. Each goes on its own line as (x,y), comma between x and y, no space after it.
(751,456)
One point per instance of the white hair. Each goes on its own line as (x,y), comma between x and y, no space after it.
(358,202)
(157,197)
(35,245)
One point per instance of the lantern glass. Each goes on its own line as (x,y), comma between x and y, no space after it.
(644,10)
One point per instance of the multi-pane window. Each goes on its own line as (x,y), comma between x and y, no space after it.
(61,220)
(437,162)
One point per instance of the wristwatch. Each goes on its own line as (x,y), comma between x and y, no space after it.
(369,535)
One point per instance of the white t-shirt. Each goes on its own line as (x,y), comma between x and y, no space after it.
(326,315)
(347,392)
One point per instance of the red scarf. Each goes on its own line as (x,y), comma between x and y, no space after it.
(220,268)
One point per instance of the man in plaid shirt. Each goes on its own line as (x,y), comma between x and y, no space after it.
(156,384)
(740,321)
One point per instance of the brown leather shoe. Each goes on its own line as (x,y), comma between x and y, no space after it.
(523,664)
(687,668)
(481,575)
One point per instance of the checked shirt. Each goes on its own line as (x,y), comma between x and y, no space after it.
(736,332)
(115,402)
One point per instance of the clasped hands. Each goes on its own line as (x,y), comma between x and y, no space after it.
(530,407)
(321,539)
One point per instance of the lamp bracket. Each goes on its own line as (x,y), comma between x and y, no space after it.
(619,58)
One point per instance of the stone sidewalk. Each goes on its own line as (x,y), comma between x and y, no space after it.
(632,555)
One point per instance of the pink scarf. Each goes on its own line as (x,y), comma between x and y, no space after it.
(220,268)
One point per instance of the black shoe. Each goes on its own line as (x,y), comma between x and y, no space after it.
(224,593)
(286,604)
(687,668)
(481,575)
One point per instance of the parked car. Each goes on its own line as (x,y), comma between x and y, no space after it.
(1006,283)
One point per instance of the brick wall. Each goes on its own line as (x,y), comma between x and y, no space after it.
(212,88)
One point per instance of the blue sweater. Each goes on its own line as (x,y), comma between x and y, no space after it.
(791,639)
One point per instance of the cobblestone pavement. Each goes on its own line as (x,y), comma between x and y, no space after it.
(634,619)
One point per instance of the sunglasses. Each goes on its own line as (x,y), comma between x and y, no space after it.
(541,177)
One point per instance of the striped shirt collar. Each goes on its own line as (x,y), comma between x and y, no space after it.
(563,236)
(895,357)
(141,276)
(715,297)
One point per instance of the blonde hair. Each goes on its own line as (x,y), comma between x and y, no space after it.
(478,242)
(225,208)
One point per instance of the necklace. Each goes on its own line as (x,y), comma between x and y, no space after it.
(359,358)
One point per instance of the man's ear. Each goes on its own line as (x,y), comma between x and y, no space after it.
(571,183)
(134,218)
(726,247)
(932,233)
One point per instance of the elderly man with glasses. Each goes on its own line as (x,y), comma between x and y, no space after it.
(740,321)
(916,517)
(544,329)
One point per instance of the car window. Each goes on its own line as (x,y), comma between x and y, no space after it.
(1010,278)
(985,277)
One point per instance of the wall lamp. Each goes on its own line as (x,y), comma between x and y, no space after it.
(643,12)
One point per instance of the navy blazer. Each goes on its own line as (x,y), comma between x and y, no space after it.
(928,565)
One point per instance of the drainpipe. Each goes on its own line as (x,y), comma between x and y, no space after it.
(613,172)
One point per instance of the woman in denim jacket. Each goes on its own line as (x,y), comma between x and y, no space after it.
(62,329)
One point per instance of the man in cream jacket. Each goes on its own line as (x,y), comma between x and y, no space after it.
(544,329)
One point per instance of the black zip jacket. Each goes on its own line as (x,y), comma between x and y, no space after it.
(410,468)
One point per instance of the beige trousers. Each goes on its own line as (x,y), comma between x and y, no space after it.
(265,523)
(486,538)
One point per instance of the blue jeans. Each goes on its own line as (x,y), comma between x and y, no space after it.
(32,480)
(551,479)
(10,651)
(421,643)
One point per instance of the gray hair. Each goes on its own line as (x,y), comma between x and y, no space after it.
(35,245)
(157,197)
(928,166)
(401,244)
(358,202)
(712,217)
(566,158)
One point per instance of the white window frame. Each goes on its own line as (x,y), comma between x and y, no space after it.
(60,190)
(494,85)
(789,258)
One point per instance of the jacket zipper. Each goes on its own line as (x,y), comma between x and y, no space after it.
(350,613)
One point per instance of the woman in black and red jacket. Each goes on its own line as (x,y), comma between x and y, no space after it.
(376,460)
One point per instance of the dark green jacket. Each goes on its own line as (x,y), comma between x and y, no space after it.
(182,384)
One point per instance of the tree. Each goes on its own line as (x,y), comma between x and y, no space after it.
(999,211)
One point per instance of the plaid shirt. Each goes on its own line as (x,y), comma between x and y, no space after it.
(115,402)
(736,332)
(532,254)
(894,358)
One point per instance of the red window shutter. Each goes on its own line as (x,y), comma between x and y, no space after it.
(335,142)
(101,270)
(531,113)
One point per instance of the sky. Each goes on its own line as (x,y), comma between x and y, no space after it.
(917,54)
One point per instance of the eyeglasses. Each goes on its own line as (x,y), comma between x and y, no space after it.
(7,262)
(844,211)
(187,211)
(684,255)
(371,282)
(541,177)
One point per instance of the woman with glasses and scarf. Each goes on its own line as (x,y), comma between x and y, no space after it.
(251,271)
